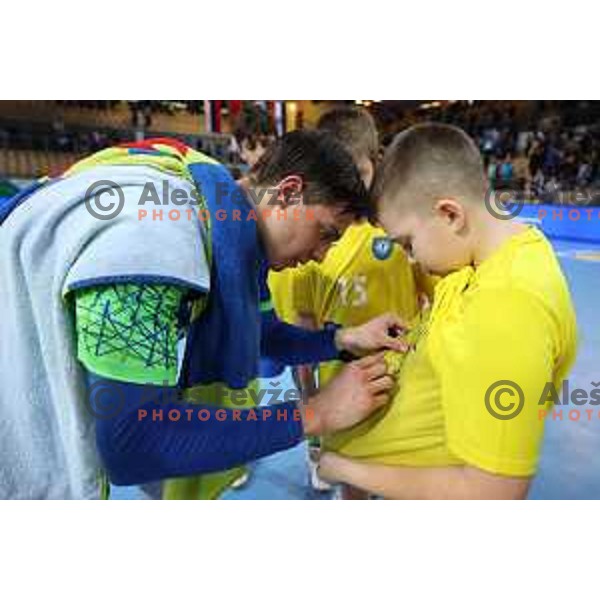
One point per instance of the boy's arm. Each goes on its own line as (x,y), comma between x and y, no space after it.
(416,483)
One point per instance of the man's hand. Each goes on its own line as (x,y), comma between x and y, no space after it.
(377,334)
(360,388)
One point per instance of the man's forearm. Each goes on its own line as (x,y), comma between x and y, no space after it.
(136,447)
(294,345)
(427,483)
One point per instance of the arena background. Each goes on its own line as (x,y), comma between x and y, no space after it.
(545,154)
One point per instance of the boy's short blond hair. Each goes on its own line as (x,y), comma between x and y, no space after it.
(428,162)
(355,128)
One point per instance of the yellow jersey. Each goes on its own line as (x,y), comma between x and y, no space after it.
(281,285)
(362,276)
(471,391)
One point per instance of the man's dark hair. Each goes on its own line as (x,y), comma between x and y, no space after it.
(428,162)
(327,169)
(355,128)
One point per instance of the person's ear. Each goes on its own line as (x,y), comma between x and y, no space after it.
(290,190)
(451,212)
(366,168)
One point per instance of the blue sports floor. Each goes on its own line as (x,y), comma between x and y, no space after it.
(570,465)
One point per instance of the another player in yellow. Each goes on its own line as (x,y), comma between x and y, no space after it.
(363,275)
(467,418)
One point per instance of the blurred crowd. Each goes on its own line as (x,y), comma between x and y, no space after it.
(553,150)
(56,137)
(169,107)
(541,148)
(51,134)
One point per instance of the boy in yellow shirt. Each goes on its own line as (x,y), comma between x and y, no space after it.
(466,420)
(362,276)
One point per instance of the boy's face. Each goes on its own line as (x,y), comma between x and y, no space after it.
(436,241)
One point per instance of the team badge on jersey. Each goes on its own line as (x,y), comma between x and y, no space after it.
(382,248)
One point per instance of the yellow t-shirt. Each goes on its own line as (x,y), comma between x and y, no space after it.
(280,287)
(511,319)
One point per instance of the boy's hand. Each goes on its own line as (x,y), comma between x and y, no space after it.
(331,466)
(381,333)
(359,389)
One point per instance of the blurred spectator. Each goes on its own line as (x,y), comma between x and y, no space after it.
(492,170)
(505,173)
